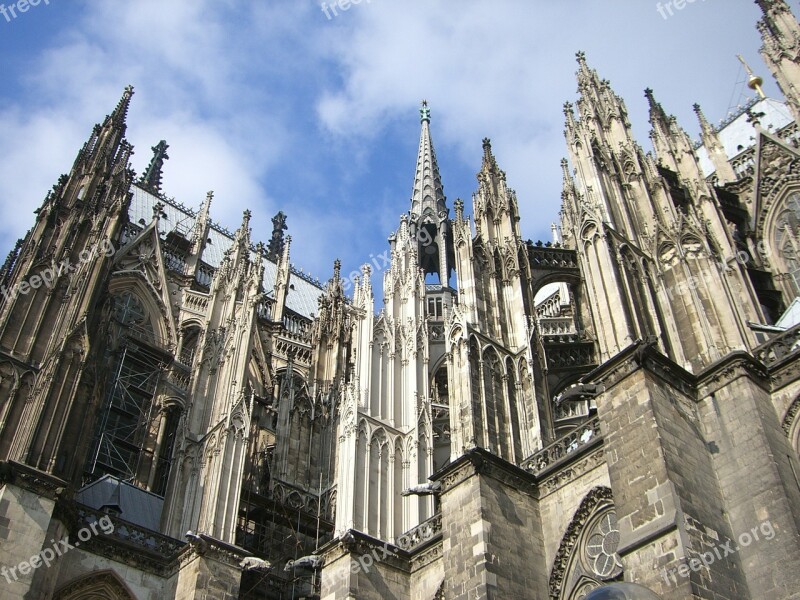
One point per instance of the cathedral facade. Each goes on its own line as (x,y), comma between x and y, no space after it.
(185,414)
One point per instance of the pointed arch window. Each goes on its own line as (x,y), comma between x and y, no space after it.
(125,436)
(129,312)
(475,388)
(588,554)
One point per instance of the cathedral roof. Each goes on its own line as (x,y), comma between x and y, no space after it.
(303,291)
(134,504)
(737,134)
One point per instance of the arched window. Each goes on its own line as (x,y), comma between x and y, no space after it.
(97,586)
(475,385)
(587,556)
(497,422)
(124,440)
(130,313)
(440,418)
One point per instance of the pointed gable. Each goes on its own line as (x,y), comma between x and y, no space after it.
(777,167)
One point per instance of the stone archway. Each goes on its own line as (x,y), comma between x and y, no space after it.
(587,557)
(101,585)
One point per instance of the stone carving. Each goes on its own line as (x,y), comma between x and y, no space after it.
(596,500)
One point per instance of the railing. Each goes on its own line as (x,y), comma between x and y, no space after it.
(175,261)
(421,533)
(264,309)
(288,343)
(186,356)
(195,302)
(295,324)
(306,277)
(551,257)
(790,134)
(551,306)
(131,534)
(180,377)
(744,163)
(556,326)
(204,275)
(563,447)
(568,352)
(779,347)
(571,410)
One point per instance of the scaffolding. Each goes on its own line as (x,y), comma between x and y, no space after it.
(124,428)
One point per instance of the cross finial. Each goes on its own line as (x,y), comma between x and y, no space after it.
(425,112)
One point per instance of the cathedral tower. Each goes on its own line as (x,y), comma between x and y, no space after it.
(780,34)
(51,323)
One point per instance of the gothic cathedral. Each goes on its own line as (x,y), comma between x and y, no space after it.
(185,414)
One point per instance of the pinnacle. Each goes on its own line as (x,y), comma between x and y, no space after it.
(121,111)
(427,192)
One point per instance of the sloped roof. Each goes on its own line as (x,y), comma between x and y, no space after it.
(302,293)
(791,317)
(137,506)
(738,134)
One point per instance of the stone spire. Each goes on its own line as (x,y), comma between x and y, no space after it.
(780,34)
(120,113)
(106,148)
(663,126)
(599,104)
(671,143)
(276,242)
(151,178)
(428,192)
(716,152)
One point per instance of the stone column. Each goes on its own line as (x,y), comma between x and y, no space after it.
(208,568)
(27,501)
(492,543)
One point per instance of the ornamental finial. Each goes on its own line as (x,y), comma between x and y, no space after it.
(425,112)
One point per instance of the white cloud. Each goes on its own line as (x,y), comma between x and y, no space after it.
(274,106)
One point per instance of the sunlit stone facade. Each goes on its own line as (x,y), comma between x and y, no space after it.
(183,413)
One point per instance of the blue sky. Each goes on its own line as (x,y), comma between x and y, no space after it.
(274,106)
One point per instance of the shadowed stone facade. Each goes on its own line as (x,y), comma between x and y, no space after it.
(517,420)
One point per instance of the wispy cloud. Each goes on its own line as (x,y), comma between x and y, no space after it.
(275,107)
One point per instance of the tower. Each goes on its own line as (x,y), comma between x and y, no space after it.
(780,34)
(429,221)
(651,236)
(221,399)
(488,330)
(52,326)
(386,440)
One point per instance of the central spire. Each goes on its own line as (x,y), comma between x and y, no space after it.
(428,192)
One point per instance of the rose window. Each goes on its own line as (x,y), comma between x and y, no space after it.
(601,547)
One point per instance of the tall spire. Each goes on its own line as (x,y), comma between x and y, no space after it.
(151,178)
(277,241)
(716,152)
(664,126)
(121,111)
(600,104)
(106,148)
(670,141)
(428,192)
(780,34)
